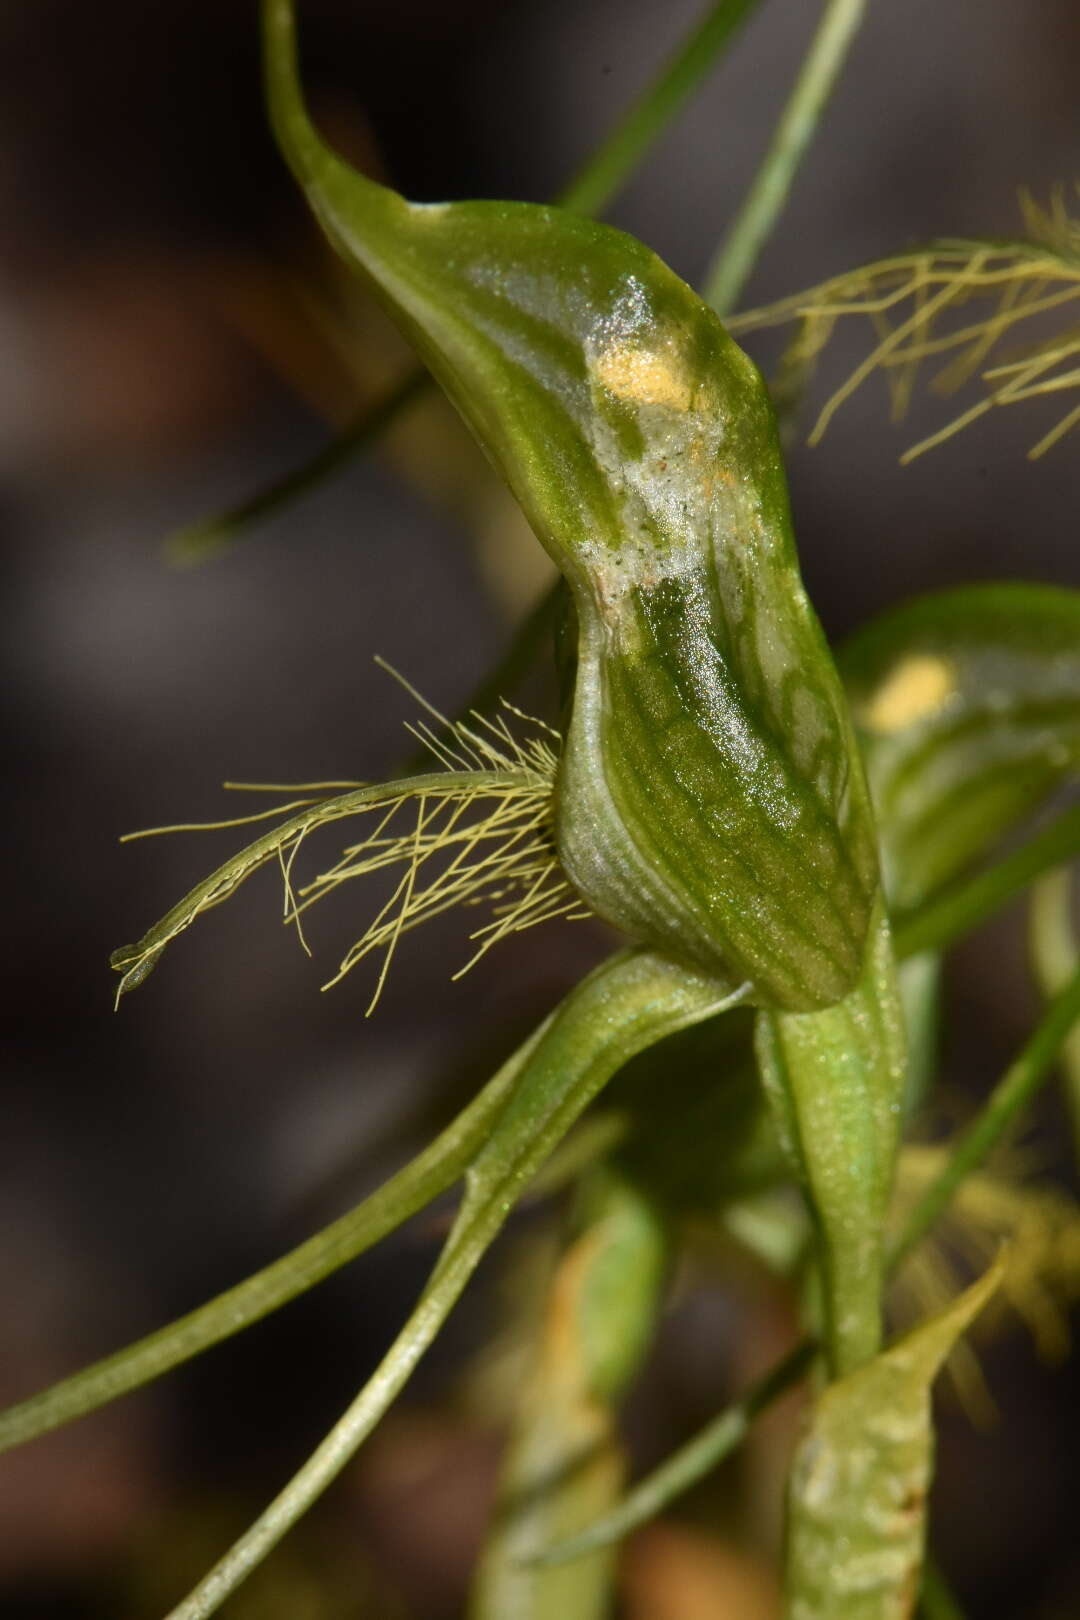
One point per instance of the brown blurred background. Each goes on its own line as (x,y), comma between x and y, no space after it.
(174,335)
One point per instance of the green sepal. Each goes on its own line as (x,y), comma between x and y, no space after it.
(836,1082)
(858,1483)
(710,797)
(967,707)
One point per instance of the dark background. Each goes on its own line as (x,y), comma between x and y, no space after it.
(161,358)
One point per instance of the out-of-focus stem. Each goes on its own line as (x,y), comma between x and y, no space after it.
(614,161)
(1003,1107)
(971,901)
(1056,957)
(209,536)
(765,200)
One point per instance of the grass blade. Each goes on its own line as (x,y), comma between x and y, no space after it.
(769,192)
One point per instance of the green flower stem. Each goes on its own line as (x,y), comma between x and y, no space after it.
(1055,957)
(835,1081)
(612,165)
(722,1434)
(630,1001)
(195,543)
(965,905)
(428,1175)
(609,168)
(709,1447)
(765,201)
(1009,1097)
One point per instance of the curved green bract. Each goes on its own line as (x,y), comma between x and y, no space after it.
(967,706)
(859,1480)
(710,796)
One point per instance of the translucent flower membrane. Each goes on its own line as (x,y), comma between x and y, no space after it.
(1031,288)
(479,831)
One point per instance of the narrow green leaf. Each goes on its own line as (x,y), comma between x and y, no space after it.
(971,901)
(1005,1105)
(612,164)
(710,796)
(630,1001)
(836,1082)
(858,1484)
(794,131)
(430,1173)
(197,542)
(967,706)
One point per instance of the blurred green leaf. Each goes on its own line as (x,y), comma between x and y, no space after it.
(753,224)
(617,158)
(695,1459)
(710,797)
(1004,1107)
(969,901)
(564,1465)
(919,983)
(1055,955)
(967,706)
